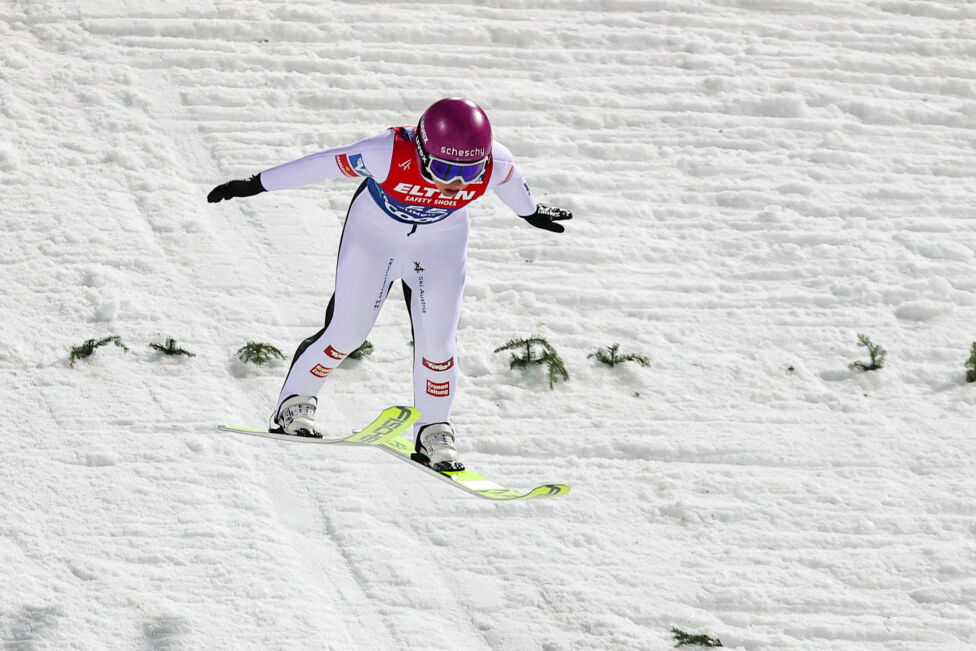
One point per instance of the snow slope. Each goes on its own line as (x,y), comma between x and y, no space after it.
(755,184)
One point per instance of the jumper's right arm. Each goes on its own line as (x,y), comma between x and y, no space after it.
(370,157)
(513,190)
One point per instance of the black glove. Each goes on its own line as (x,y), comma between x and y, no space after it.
(236,188)
(547,216)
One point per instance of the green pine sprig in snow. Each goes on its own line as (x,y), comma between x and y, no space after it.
(258,353)
(611,356)
(535,351)
(170,349)
(364,350)
(876,352)
(88,348)
(687,639)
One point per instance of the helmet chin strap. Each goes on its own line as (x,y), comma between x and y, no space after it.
(420,156)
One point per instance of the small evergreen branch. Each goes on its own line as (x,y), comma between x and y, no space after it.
(685,639)
(525,346)
(876,352)
(971,365)
(88,348)
(611,356)
(535,351)
(363,351)
(170,349)
(258,353)
(557,370)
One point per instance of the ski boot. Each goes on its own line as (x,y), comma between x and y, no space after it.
(435,448)
(295,416)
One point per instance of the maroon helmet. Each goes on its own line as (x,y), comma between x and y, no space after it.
(454,140)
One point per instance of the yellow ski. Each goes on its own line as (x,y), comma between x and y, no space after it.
(386,432)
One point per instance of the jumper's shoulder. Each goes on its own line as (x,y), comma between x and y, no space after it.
(501,153)
(408,134)
(503,164)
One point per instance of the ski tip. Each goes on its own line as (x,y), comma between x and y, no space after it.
(547,491)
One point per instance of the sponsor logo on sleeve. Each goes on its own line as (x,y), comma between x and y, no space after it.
(321,371)
(439,389)
(442,366)
(343,162)
(358,166)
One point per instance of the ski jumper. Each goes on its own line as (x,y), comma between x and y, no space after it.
(398,226)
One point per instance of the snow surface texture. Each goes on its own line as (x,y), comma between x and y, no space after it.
(754,183)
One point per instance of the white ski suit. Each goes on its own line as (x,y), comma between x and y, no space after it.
(398,226)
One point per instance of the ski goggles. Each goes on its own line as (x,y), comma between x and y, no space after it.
(448,171)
